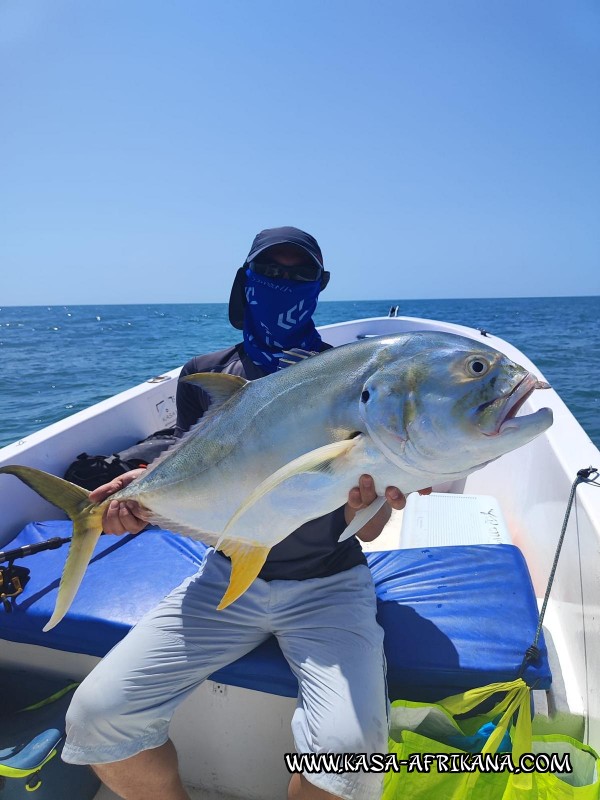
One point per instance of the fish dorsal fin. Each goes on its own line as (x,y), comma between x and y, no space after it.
(314,461)
(295,356)
(219,386)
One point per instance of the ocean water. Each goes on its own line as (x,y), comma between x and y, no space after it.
(60,359)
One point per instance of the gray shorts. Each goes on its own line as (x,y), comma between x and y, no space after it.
(326,629)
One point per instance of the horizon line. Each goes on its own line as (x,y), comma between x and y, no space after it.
(375,300)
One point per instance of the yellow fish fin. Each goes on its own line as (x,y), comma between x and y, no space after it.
(87,527)
(314,461)
(246,562)
(219,386)
(57,491)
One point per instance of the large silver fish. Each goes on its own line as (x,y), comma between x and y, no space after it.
(412,410)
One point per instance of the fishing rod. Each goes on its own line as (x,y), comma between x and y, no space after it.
(32,549)
(13,578)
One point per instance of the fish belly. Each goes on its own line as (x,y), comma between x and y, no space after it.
(200,506)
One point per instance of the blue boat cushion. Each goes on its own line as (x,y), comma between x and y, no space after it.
(454,617)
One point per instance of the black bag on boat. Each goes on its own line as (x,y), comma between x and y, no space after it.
(93,471)
(144,452)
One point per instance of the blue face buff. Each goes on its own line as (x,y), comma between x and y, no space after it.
(278,317)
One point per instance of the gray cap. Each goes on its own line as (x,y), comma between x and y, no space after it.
(262,241)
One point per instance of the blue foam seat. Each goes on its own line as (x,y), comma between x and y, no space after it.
(454,617)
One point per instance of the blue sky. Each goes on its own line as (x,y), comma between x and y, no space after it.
(435,149)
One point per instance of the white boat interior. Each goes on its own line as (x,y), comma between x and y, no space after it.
(230,739)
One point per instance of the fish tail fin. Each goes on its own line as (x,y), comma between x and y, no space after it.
(246,562)
(56,490)
(87,527)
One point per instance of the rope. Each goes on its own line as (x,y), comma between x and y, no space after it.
(532,654)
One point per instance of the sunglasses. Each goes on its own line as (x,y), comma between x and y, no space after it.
(299,272)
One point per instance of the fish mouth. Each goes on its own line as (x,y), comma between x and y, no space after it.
(509,405)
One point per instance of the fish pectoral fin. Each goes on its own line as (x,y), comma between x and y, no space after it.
(362,517)
(219,386)
(246,562)
(317,460)
(87,527)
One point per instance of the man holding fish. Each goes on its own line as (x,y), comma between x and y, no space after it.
(263,478)
(314,592)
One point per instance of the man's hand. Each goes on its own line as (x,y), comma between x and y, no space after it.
(125,517)
(363,495)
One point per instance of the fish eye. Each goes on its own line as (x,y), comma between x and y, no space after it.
(477,366)
(365,396)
